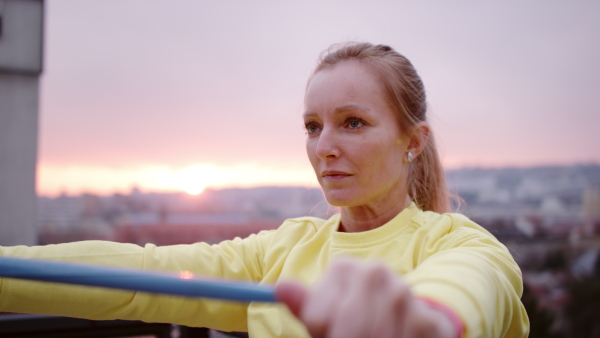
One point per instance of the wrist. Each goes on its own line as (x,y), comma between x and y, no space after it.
(453,319)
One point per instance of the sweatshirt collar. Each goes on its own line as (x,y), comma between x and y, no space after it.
(399,223)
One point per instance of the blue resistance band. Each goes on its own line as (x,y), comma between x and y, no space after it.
(182,284)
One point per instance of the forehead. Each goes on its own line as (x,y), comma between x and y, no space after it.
(346,83)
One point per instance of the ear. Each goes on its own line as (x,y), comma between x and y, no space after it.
(418,138)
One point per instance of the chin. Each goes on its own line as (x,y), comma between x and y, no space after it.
(341,198)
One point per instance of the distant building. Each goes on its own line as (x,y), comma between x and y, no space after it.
(160,234)
(21,46)
(591,210)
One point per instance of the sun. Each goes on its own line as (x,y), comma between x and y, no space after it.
(194,188)
(193,179)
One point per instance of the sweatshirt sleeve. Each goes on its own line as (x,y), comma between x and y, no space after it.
(472,273)
(238,259)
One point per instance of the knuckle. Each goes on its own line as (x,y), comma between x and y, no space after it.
(315,324)
(377,275)
(400,294)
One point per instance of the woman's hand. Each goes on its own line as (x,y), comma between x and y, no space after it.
(356,299)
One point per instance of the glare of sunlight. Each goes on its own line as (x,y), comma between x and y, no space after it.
(194,189)
(185,274)
(193,179)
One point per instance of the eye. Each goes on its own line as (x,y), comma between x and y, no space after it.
(355,122)
(311,128)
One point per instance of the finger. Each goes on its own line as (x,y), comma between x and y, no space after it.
(291,294)
(324,297)
(400,296)
(381,304)
(363,303)
(347,320)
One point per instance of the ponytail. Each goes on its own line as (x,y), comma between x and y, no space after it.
(427,181)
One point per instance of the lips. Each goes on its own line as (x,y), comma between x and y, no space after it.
(332,175)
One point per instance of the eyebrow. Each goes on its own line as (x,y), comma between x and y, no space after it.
(343,109)
(350,107)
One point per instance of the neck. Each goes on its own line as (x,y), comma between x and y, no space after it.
(368,217)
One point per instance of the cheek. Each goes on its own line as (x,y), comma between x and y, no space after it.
(385,160)
(311,152)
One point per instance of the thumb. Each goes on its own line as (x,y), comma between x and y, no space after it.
(291,294)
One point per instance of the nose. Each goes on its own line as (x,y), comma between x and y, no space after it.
(328,145)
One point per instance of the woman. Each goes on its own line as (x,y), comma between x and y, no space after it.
(413,271)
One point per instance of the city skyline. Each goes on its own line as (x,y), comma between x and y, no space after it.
(178,95)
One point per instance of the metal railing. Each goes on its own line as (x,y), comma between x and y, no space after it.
(38,326)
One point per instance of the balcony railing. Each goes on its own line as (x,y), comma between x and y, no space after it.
(24,325)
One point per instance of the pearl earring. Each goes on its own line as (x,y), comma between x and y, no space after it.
(409,157)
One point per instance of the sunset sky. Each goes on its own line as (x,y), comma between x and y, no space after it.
(175,95)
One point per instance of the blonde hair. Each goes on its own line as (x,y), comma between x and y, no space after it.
(406,95)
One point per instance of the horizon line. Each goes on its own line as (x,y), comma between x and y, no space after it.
(313,185)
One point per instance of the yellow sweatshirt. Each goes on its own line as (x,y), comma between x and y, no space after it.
(446,258)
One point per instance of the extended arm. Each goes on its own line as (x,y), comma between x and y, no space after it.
(227,260)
